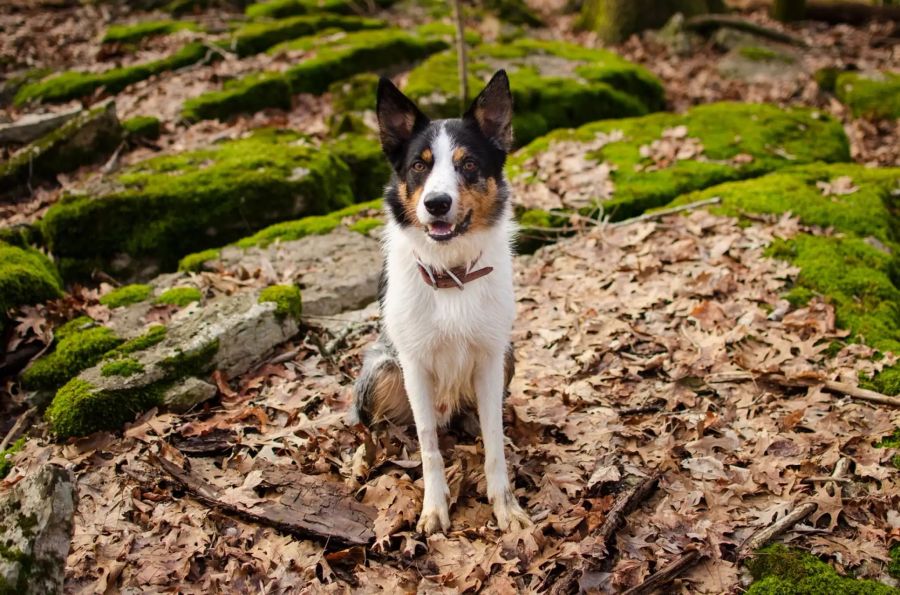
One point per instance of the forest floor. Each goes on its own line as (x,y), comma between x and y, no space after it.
(659,348)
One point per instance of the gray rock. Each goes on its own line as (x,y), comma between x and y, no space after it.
(30,127)
(187,394)
(760,63)
(35,532)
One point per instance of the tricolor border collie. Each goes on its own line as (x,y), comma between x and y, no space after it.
(447,305)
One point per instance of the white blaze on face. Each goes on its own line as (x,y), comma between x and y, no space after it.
(442,179)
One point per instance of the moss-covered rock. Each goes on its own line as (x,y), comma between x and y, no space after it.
(179,296)
(362,154)
(723,141)
(338,56)
(778,570)
(89,137)
(365,225)
(154,335)
(277,9)
(516,12)
(79,408)
(26,277)
(75,351)
(248,94)
(874,95)
(287,300)
(194,262)
(72,84)
(7,454)
(136,31)
(122,367)
(354,94)
(256,37)
(142,127)
(126,295)
(554,84)
(168,206)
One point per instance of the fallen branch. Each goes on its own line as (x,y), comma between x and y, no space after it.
(663,212)
(17,427)
(861,394)
(623,506)
(854,392)
(309,507)
(707,22)
(667,573)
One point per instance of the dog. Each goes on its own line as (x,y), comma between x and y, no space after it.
(447,300)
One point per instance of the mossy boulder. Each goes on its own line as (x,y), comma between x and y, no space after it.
(131,33)
(179,296)
(362,154)
(779,570)
(74,351)
(126,295)
(870,95)
(287,300)
(161,209)
(338,56)
(142,127)
(554,84)
(26,277)
(653,159)
(73,84)
(256,37)
(277,9)
(247,94)
(354,94)
(857,266)
(230,333)
(89,137)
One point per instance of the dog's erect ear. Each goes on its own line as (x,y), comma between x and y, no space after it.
(492,111)
(398,120)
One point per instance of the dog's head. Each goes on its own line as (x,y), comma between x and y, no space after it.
(449,173)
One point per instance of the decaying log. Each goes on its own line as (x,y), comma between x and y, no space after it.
(667,573)
(707,22)
(623,506)
(309,507)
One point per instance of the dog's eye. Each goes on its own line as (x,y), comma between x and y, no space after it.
(419,166)
(470,165)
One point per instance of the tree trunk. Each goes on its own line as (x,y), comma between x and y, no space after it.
(788,10)
(615,20)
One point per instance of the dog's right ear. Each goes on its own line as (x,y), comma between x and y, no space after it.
(398,120)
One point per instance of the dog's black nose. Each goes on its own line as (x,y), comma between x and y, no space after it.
(438,204)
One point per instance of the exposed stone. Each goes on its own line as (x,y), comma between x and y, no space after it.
(35,532)
(33,126)
(760,62)
(187,394)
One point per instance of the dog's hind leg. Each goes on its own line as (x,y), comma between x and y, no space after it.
(378,393)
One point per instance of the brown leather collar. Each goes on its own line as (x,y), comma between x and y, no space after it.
(455,277)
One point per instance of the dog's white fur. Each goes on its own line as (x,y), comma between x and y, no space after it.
(451,343)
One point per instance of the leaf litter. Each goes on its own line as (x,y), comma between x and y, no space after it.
(642,349)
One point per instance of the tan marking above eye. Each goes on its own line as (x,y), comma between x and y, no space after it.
(459,154)
(427,155)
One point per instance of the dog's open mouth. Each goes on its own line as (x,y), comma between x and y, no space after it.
(442,231)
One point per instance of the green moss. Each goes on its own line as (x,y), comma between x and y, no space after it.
(366,224)
(193,362)
(554,84)
(79,409)
(248,94)
(137,31)
(286,298)
(355,94)
(75,351)
(763,54)
(773,137)
(142,127)
(516,12)
(172,205)
(72,85)
(363,156)
(126,295)
(194,262)
(76,325)
(26,277)
(894,566)
(778,570)
(155,334)
(871,96)
(290,230)
(338,57)
(886,382)
(88,137)
(6,456)
(253,38)
(179,296)
(826,78)
(277,9)
(122,367)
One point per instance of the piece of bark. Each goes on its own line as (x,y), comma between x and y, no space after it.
(667,573)
(309,507)
(623,506)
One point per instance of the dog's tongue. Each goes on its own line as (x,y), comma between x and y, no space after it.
(440,228)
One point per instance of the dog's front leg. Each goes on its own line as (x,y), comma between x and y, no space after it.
(489,388)
(435,513)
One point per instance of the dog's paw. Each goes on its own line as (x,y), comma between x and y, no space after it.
(434,519)
(510,516)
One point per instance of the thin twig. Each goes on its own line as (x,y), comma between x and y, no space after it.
(17,427)
(861,394)
(461,63)
(667,573)
(662,213)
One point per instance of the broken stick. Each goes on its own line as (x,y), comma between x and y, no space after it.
(623,506)
(667,573)
(309,507)
(861,394)
(663,212)
(17,428)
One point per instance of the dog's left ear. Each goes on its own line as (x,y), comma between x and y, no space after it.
(492,111)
